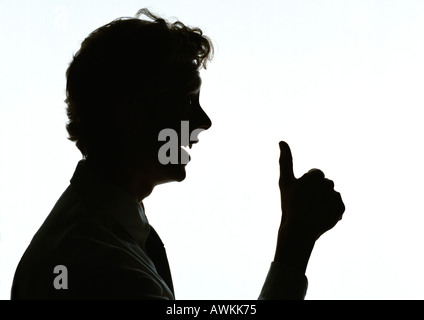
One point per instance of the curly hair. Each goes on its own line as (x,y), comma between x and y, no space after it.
(124,58)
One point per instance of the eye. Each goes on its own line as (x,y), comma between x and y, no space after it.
(189,102)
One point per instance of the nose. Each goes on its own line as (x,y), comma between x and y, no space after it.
(201,120)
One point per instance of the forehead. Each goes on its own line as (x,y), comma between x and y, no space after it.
(179,83)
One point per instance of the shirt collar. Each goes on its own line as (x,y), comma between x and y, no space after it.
(113,201)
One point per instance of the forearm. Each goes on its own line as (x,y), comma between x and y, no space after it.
(294,247)
(286,278)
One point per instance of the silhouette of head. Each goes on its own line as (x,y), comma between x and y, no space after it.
(130,79)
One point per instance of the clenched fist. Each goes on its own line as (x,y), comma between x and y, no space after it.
(310,202)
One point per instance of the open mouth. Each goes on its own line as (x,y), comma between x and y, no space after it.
(185,155)
(187,146)
(184,148)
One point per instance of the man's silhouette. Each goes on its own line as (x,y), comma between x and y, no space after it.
(130,80)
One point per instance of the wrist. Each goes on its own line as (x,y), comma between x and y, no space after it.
(294,247)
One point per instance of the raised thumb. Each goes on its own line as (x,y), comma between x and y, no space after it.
(286,165)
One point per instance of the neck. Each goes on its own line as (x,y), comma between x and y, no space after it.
(134,181)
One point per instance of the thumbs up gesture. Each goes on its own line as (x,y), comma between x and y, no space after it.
(309,204)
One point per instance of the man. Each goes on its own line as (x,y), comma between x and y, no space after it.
(132,81)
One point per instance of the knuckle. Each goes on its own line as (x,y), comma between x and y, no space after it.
(314,175)
(316,172)
(330,183)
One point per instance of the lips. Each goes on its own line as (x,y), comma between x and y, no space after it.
(185,148)
(184,152)
(188,145)
(184,156)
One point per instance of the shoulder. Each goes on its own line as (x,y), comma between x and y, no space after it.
(97,261)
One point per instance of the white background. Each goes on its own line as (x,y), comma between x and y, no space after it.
(341,81)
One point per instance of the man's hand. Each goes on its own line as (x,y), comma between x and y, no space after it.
(310,202)
(310,207)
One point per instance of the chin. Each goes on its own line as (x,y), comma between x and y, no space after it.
(173,172)
(178,173)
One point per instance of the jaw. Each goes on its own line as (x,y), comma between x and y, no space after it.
(153,172)
(145,181)
(169,173)
(174,172)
